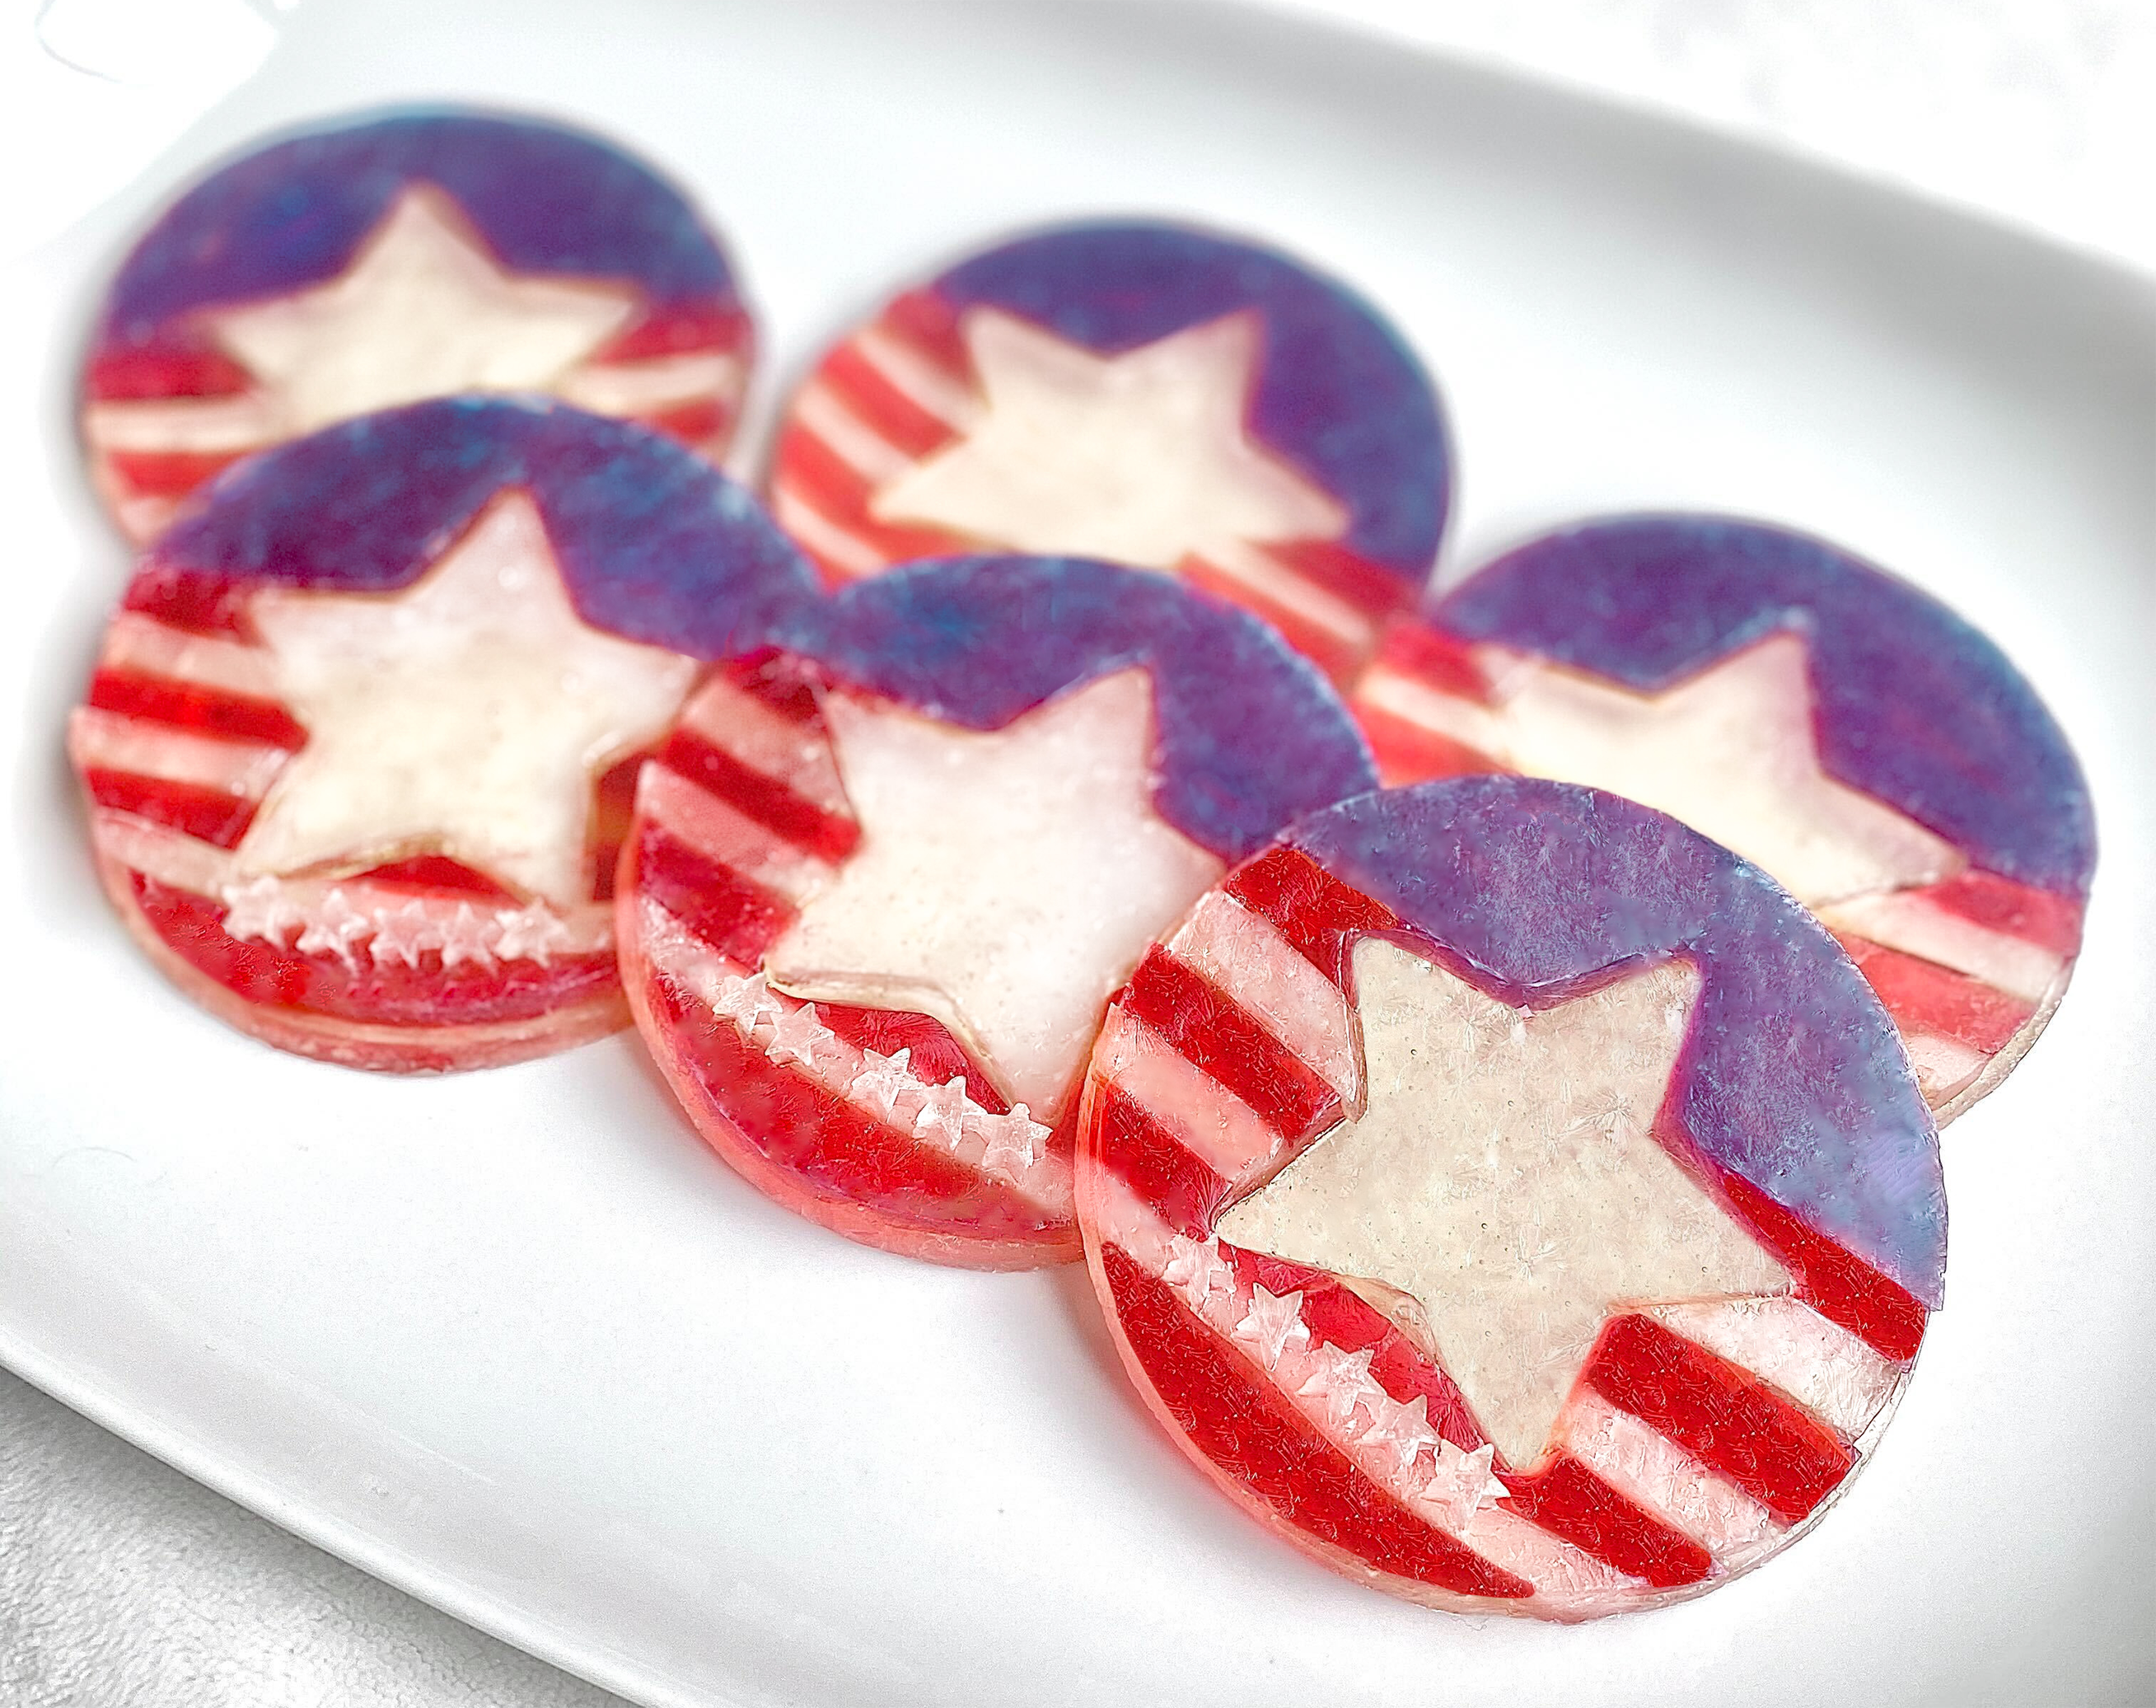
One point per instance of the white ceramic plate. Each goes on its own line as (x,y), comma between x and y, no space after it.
(514,1342)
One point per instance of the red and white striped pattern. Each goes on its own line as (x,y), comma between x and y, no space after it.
(159,421)
(902,388)
(181,737)
(1969,968)
(874,1123)
(1699,1438)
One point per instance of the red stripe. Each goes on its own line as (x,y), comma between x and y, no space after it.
(737,917)
(1331,652)
(613,811)
(469,994)
(204,604)
(763,798)
(1242,1425)
(781,681)
(1313,910)
(1366,585)
(169,473)
(1569,1501)
(675,329)
(1834,1281)
(817,475)
(1406,753)
(132,376)
(192,706)
(1336,1314)
(925,319)
(1722,1414)
(1435,657)
(835,1150)
(213,815)
(694,424)
(895,416)
(1176,1185)
(2000,903)
(937,1056)
(1211,1031)
(1923,995)
(432,874)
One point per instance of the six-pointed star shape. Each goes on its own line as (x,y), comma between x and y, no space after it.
(466,713)
(1006,881)
(1731,752)
(423,311)
(1504,1177)
(1140,458)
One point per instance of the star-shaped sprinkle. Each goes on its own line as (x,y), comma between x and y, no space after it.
(1504,1175)
(886,1080)
(797,1035)
(942,1111)
(747,1002)
(423,310)
(1013,1141)
(1272,1325)
(1732,751)
(1007,881)
(1139,458)
(467,714)
(1400,1432)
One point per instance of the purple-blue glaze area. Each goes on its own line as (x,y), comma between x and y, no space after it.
(654,544)
(1341,395)
(1793,1077)
(1911,704)
(547,199)
(1249,734)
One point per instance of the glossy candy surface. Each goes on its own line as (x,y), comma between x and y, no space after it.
(359,745)
(882,881)
(1512,1199)
(1146,393)
(414,254)
(1875,754)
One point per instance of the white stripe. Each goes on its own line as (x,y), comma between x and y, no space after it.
(347,918)
(112,740)
(1942,1065)
(197,426)
(819,410)
(695,966)
(708,824)
(842,549)
(1782,1341)
(161,854)
(1905,920)
(917,377)
(1267,576)
(646,387)
(1241,951)
(1205,1117)
(143,519)
(1210,1293)
(148,648)
(764,740)
(1652,1471)
(1412,700)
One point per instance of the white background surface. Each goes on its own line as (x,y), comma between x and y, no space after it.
(122,1583)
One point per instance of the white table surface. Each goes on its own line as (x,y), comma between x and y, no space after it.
(124,1585)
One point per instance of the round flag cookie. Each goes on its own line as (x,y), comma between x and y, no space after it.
(1881,759)
(408,256)
(1140,392)
(1513,1198)
(882,881)
(362,739)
